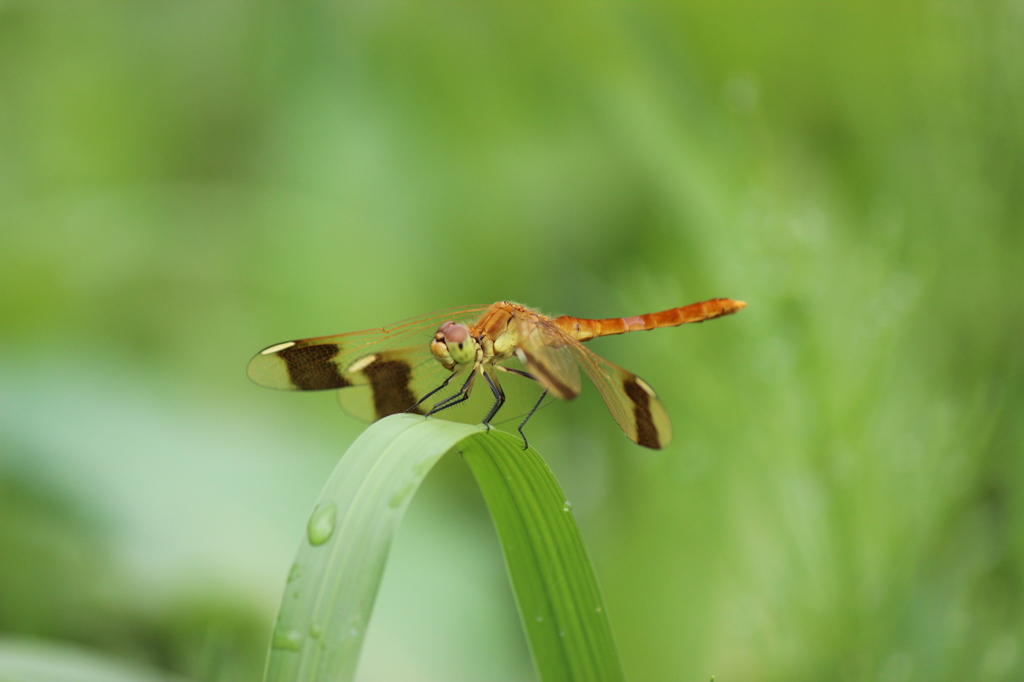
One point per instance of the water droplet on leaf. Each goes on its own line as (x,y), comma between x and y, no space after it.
(321,524)
(287,639)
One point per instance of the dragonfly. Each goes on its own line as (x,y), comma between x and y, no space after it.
(411,366)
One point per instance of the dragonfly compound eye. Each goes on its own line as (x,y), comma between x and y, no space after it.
(459,342)
(453,345)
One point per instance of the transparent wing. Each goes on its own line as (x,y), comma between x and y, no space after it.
(632,402)
(547,353)
(383,370)
(391,381)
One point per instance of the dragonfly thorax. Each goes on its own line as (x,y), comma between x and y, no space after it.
(503,344)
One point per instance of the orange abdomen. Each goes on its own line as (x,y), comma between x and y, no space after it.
(584,329)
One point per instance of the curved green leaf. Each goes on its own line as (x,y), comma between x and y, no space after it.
(333,583)
(556,591)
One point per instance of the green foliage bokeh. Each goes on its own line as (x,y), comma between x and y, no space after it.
(182,184)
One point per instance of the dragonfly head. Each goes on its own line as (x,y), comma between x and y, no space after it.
(453,345)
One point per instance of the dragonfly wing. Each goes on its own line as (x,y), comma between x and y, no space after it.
(390,382)
(631,400)
(383,371)
(554,358)
(546,351)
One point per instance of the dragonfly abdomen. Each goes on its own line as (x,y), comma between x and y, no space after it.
(583,329)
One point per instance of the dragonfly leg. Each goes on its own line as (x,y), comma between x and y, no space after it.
(459,396)
(515,371)
(427,395)
(526,445)
(499,397)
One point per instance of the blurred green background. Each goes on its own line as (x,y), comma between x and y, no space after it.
(182,184)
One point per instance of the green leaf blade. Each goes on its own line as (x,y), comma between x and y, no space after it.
(334,581)
(556,590)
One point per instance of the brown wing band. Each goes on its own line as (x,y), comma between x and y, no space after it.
(548,380)
(646,432)
(311,368)
(389,380)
